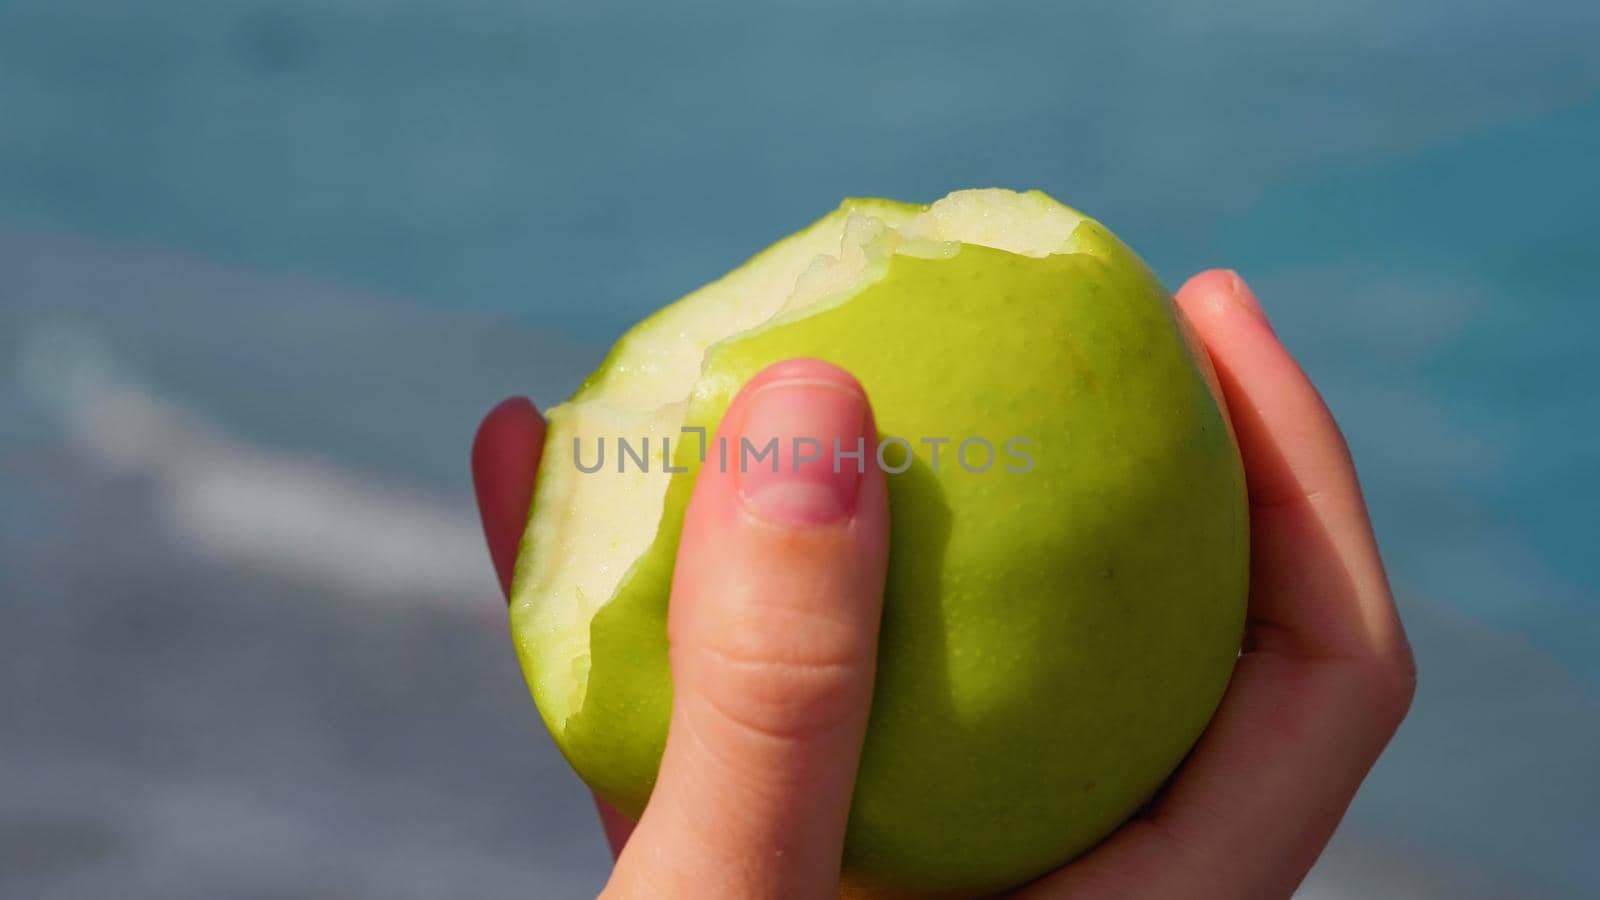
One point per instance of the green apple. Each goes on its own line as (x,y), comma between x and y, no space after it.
(1056,632)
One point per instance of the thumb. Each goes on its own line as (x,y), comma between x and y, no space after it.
(774,627)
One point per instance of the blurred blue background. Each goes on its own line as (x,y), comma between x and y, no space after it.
(264,264)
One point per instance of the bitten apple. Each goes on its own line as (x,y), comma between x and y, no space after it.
(1056,633)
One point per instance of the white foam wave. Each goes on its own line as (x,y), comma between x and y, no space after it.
(242,504)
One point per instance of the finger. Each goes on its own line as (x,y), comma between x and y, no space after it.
(773,626)
(1326,676)
(618,827)
(1317,580)
(505,457)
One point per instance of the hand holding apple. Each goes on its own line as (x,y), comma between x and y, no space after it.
(1065,588)
(1319,689)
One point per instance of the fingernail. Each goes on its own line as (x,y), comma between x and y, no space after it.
(801,481)
(1246,298)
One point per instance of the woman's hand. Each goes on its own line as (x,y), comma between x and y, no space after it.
(774,618)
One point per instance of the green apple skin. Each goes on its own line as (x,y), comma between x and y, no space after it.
(1054,641)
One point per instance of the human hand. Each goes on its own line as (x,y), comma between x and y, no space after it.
(773,640)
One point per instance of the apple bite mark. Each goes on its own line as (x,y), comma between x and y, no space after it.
(597,507)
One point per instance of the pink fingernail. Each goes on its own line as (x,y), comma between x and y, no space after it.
(786,467)
(1246,298)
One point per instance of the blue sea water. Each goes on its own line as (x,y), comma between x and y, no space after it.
(502,187)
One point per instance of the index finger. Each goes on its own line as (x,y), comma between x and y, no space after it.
(505,461)
(505,458)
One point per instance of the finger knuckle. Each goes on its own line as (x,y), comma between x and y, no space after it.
(784,701)
(1391,686)
(787,682)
